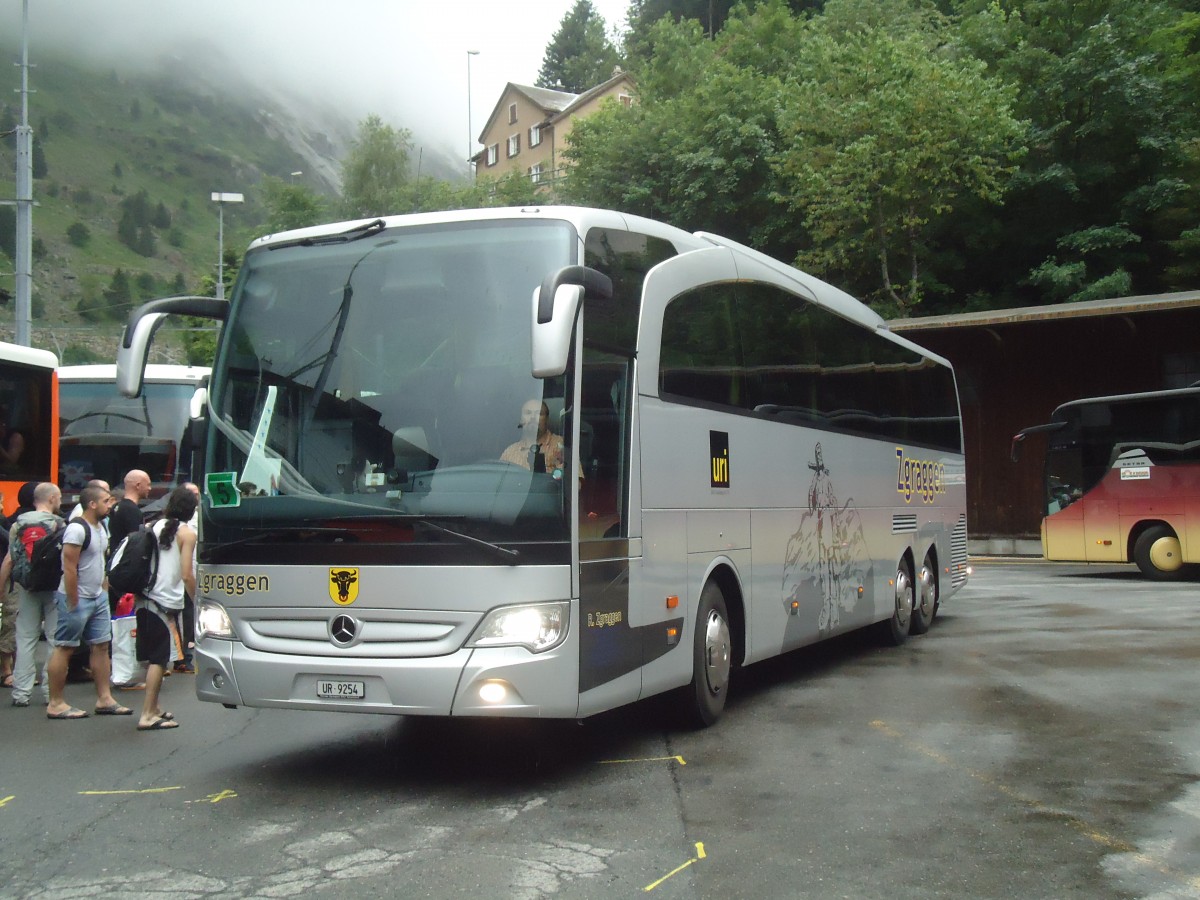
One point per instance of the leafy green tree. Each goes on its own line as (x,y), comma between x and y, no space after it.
(696,148)
(117,297)
(885,130)
(579,55)
(375,172)
(161,217)
(1102,204)
(291,205)
(78,234)
(40,167)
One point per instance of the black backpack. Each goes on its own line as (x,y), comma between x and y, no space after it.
(134,565)
(45,559)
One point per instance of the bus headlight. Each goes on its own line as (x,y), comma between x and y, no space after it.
(212,621)
(537,627)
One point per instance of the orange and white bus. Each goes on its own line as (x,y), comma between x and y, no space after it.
(1122,481)
(28,419)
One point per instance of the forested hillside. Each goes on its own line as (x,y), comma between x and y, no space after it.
(124,167)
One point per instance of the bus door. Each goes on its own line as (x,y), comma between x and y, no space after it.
(614,639)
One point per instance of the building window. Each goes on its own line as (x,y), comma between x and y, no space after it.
(514,145)
(626,99)
(493,154)
(535,135)
(535,173)
(512,113)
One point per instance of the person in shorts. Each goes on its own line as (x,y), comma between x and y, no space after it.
(82,606)
(163,601)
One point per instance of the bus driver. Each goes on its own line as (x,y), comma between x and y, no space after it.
(539,449)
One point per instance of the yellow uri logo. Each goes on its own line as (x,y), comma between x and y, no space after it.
(343,586)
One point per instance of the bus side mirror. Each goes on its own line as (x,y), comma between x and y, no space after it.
(132,352)
(555,308)
(1017,441)
(144,322)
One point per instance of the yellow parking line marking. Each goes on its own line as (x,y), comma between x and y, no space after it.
(4,801)
(161,790)
(1083,827)
(613,762)
(700,854)
(218,797)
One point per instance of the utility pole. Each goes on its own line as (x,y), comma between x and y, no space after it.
(24,198)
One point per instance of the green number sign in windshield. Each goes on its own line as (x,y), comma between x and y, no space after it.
(222,489)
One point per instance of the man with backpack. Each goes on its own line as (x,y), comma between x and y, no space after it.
(37,613)
(82,606)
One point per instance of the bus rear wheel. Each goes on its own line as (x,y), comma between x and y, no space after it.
(712,657)
(1158,554)
(926,600)
(895,630)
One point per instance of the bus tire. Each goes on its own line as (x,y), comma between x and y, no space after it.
(1158,554)
(925,603)
(712,659)
(894,630)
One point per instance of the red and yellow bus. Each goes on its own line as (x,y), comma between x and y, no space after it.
(28,419)
(1122,481)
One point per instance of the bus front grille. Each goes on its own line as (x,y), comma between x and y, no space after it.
(358,634)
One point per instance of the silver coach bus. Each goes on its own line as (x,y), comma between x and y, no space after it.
(550,461)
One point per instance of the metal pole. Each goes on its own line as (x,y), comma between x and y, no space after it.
(470,130)
(24,198)
(220,251)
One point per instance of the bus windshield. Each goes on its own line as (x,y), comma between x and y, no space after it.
(1162,427)
(104,435)
(378,390)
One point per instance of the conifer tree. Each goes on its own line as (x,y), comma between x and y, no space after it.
(580,55)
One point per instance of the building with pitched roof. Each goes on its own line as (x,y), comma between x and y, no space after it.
(528,128)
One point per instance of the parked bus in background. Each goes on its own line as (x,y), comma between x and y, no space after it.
(28,419)
(1122,481)
(546,462)
(104,434)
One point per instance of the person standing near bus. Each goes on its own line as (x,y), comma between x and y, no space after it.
(37,613)
(164,600)
(9,601)
(82,607)
(127,515)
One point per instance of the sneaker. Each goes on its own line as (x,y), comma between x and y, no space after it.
(185,668)
(17,702)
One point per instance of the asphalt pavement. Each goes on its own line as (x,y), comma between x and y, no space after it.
(1040,742)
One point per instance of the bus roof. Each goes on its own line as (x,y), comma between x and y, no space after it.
(1174,393)
(28,356)
(825,294)
(160,373)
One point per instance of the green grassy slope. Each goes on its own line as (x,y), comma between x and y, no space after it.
(105,137)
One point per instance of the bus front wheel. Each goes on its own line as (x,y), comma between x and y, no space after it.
(712,656)
(1158,554)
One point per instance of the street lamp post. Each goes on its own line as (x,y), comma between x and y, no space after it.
(221,199)
(470,130)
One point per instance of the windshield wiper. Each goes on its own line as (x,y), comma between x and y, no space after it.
(504,553)
(342,237)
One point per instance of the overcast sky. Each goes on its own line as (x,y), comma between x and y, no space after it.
(405,60)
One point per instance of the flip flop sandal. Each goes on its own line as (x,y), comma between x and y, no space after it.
(71,713)
(159,724)
(115,710)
